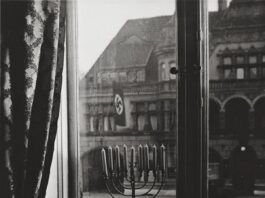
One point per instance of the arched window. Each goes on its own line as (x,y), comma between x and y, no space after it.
(236,117)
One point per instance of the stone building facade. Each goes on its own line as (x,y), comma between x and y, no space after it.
(140,58)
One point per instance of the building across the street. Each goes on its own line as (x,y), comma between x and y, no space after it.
(139,59)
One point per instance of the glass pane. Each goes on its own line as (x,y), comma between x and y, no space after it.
(126,48)
(253,59)
(227,61)
(240,60)
(236,108)
(253,72)
(239,73)
(227,73)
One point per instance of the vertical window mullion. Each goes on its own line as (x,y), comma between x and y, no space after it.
(192,88)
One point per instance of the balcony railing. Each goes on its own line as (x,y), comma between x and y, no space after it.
(237,84)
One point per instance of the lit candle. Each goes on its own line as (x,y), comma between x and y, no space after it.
(154,158)
(140,157)
(125,159)
(146,158)
(118,161)
(104,162)
(110,157)
(163,157)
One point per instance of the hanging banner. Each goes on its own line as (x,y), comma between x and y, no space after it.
(119,105)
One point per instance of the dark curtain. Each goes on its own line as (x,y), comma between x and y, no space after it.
(32,48)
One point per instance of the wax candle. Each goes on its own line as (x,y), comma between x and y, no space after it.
(140,157)
(154,158)
(125,159)
(110,157)
(104,162)
(163,157)
(118,161)
(132,156)
(146,158)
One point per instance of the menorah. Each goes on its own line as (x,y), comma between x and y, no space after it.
(135,173)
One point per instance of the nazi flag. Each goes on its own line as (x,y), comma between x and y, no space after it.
(119,106)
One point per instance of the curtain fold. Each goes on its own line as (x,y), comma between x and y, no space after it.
(32,54)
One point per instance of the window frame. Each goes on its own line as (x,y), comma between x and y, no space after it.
(192,38)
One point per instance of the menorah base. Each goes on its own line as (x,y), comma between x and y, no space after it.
(132,188)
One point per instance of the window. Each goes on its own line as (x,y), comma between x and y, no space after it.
(140,76)
(240,73)
(252,59)
(227,60)
(240,60)
(253,73)
(227,73)
(222,153)
(132,110)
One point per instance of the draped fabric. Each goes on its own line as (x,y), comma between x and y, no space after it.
(32,48)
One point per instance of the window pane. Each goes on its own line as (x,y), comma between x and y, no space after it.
(227,74)
(253,72)
(253,59)
(227,61)
(240,60)
(122,100)
(236,108)
(239,73)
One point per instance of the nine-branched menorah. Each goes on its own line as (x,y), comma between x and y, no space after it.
(132,175)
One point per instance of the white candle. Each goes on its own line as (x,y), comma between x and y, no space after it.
(104,162)
(125,160)
(118,161)
(154,158)
(163,157)
(140,157)
(110,157)
(132,156)
(146,158)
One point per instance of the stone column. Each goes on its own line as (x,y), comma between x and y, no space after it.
(167,115)
(106,123)
(101,119)
(159,116)
(87,123)
(251,118)
(112,123)
(134,117)
(173,121)
(147,122)
(222,119)
(95,123)
(91,121)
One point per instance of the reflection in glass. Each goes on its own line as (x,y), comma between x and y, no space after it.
(236,152)
(127,96)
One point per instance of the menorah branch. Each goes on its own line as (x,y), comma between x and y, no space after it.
(120,173)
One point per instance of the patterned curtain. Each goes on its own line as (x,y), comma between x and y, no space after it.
(32,49)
